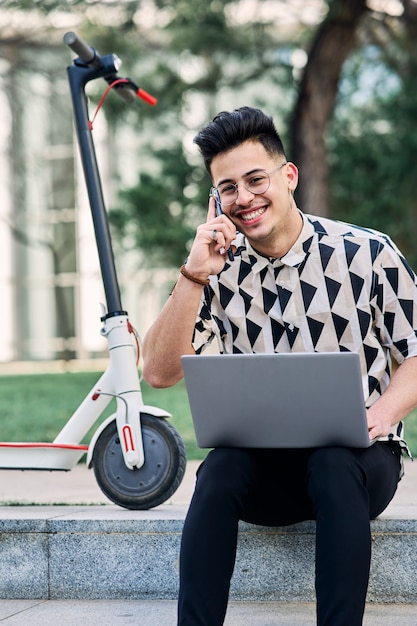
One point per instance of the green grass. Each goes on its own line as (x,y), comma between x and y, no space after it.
(36,407)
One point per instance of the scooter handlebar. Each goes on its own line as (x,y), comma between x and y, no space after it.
(127,90)
(86,53)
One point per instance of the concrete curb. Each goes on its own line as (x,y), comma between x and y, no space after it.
(110,553)
(106,552)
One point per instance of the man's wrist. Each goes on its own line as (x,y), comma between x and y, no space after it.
(193,277)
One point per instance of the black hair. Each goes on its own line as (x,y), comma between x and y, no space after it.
(230,129)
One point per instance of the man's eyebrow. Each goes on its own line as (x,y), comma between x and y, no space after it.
(230,180)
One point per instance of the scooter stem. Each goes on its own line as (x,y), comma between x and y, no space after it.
(79,76)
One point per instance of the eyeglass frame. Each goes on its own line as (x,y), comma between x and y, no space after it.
(214,191)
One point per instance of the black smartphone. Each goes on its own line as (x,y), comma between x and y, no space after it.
(219,211)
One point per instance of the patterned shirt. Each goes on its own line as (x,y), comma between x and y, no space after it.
(340,288)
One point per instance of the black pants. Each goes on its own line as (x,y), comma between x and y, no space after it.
(340,488)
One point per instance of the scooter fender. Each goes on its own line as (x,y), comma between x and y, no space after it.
(145,408)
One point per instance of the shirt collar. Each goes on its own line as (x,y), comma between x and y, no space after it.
(294,257)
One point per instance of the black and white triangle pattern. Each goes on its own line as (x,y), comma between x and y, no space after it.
(340,288)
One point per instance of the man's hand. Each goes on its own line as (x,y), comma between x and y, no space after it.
(397,401)
(379,424)
(208,253)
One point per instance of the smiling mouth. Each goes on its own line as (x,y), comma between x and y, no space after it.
(251,215)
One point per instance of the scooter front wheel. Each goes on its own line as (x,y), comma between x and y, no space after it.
(158,478)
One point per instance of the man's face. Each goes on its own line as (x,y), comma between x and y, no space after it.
(261,217)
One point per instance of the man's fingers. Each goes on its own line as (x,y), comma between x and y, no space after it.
(211,213)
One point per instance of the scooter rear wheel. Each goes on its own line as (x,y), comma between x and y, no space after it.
(158,478)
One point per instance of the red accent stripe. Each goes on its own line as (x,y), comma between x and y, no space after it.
(65,446)
(128,438)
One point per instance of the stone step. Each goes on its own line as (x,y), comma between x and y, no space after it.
(90,549)
(105,552)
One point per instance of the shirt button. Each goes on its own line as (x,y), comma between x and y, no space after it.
(291,327)
(282,283)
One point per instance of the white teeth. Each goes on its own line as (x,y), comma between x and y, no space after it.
(251,216)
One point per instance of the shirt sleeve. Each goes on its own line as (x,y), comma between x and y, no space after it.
(395,302)
(203,330)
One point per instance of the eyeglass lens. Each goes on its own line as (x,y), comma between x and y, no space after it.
(257,184)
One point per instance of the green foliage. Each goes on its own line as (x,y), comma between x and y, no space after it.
(45,6)
(36,407)
(205,55)
(174,400)
(373,143)
(158,213)
(202,55)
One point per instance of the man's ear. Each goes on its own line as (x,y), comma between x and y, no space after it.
(292,176)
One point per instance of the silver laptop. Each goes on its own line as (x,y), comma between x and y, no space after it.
(291,400)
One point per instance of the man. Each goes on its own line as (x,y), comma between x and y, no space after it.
(289,271)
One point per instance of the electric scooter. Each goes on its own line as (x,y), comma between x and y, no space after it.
(137,456)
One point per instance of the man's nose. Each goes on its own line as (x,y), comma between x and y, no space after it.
(244,196)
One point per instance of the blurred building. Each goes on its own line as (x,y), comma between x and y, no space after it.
(50,281)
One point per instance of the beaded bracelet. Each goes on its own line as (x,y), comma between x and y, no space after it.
(194,279)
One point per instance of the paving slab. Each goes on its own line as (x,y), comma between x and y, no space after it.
(79,487)
(76,487)
(163,613)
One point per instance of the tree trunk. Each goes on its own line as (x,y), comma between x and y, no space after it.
(316,99)
(410,25)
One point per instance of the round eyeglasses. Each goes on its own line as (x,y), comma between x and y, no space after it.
(257,183)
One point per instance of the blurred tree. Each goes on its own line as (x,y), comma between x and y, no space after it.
(232,57)
(208,58)
(200,57)
(373,139)
(334,40)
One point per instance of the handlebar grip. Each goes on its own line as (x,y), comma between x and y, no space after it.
(125,91)
(84,51)
(110,64)
(129,91)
